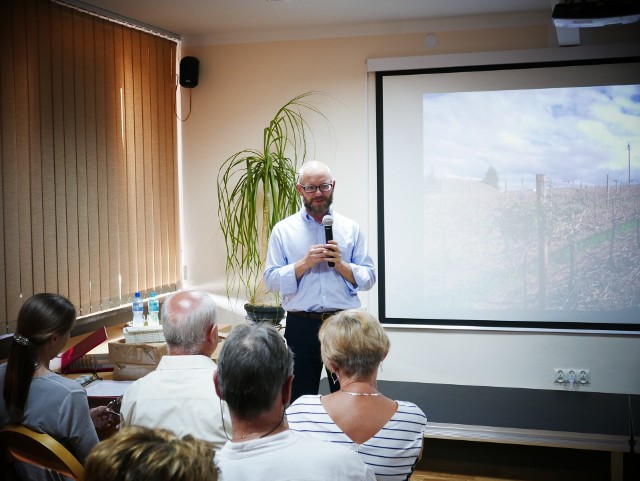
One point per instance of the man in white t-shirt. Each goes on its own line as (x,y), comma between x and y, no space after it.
(255,371)
(180,395)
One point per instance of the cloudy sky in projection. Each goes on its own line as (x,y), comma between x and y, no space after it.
(572,135)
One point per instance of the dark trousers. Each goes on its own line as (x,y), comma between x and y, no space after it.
(301,333)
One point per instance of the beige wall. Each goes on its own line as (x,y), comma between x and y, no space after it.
(240,88)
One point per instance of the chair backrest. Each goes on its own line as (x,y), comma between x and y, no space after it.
(22,444)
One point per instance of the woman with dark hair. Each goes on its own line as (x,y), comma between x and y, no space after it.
(37,397)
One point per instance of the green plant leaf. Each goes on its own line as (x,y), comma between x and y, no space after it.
(256,189)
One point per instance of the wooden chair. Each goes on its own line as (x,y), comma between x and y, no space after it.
(22,444)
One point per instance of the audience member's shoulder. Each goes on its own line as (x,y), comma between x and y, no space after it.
(407,408)
(318,446)
(345,221)
(56,381)
(307,399)
(345,464)
(137,386)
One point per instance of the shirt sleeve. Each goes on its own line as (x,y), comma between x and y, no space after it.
(362,264)
(127,406)
(75,422)
(369,475)
(279,274)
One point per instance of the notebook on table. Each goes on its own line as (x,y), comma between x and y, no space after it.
(77,360)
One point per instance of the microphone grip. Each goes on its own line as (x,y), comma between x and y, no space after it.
(328,232)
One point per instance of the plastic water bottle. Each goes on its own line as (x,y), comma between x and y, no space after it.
(153,317)
(138,308)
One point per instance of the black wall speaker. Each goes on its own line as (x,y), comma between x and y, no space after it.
(189,67)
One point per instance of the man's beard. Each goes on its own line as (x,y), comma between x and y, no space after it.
(313,208)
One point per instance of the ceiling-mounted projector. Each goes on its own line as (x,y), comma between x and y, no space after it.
(595,13)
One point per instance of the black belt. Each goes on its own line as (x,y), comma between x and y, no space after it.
(321,316)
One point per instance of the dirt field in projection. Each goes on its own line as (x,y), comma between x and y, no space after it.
(483,247)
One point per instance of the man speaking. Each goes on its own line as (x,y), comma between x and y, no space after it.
(315,276)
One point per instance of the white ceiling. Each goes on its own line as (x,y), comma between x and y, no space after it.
(221,21)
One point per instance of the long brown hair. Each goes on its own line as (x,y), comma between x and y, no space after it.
(40,317)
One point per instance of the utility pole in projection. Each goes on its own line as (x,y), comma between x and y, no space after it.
(629,160)
(542,241)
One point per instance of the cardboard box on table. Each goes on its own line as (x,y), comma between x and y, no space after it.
(135,360)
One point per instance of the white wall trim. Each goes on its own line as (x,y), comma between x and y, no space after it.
(503,57)
(530,437)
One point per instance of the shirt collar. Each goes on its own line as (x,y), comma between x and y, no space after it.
(196,361)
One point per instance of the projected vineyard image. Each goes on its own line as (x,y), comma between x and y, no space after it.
(532,201)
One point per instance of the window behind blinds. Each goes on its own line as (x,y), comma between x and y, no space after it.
(88,182)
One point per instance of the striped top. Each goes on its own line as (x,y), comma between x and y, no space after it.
(392,452)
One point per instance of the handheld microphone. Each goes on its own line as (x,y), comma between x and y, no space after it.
(327,222)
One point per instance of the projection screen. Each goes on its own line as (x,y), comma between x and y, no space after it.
(509,195)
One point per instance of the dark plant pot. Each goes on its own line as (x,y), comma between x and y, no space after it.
(271,314)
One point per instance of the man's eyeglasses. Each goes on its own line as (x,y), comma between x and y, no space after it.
(310,189)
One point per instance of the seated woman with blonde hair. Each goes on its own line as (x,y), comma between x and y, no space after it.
(387,434)
(137,453)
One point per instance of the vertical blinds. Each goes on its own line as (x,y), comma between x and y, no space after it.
(89,178)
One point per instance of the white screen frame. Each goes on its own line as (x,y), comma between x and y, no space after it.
(458,71)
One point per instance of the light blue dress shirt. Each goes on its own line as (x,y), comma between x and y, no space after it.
(321,288)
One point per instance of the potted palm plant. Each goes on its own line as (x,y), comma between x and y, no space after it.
(256,189)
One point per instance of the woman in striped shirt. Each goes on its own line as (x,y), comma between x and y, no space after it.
(387,434)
